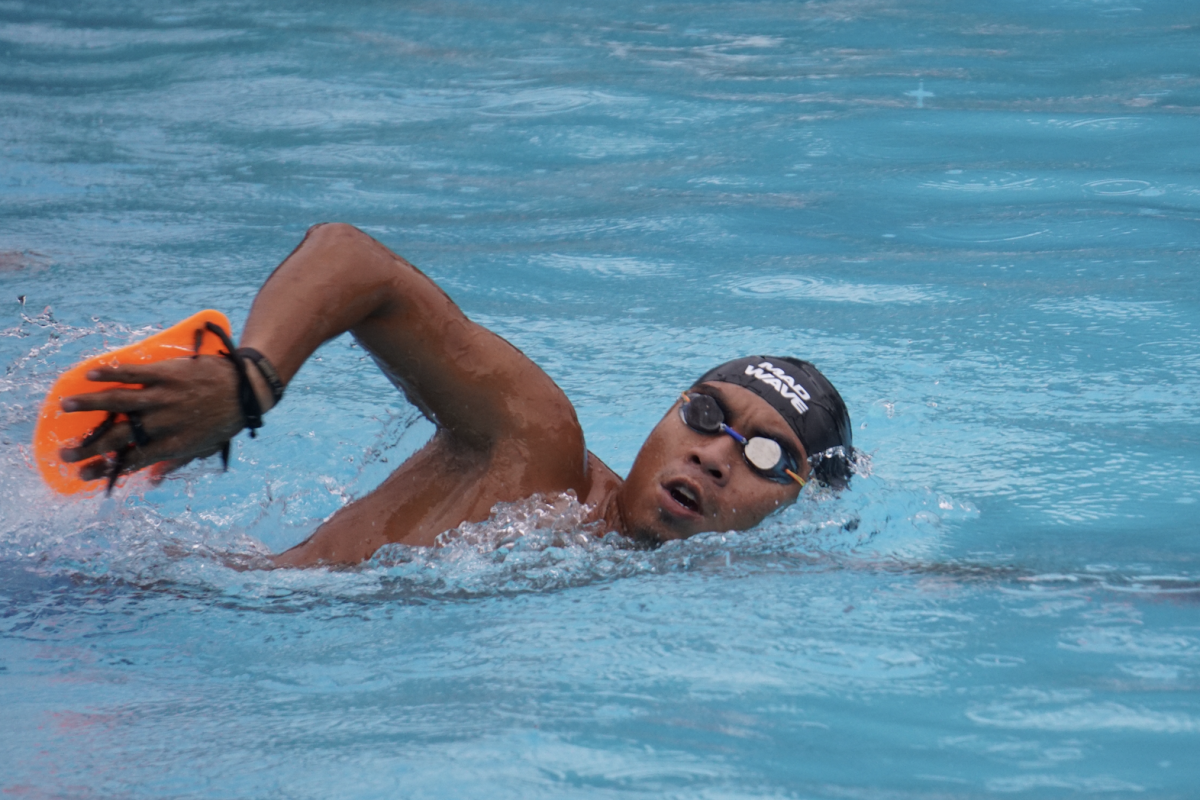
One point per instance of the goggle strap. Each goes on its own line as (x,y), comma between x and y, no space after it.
(737,437)
(795,477)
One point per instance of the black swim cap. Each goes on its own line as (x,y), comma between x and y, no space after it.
(808,402)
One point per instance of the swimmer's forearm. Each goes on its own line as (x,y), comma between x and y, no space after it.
(335,280)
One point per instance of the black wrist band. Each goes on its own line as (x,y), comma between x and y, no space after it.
(247,399)
(266,369)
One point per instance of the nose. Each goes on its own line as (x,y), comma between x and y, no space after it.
(713,455)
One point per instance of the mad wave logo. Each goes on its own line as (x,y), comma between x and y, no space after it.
(779,380)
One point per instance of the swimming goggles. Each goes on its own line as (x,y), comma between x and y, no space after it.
(703,414)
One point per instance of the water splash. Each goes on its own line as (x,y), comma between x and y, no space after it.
(198,537)
(538,544)
(541,544)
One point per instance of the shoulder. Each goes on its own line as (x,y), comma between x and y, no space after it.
(536,423)
(602,482)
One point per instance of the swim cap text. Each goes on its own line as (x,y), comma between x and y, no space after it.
(781,382)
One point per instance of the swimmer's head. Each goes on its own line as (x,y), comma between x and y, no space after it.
(806,400)
(690,477)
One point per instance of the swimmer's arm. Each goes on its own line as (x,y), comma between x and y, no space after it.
(469,381)
(473,384)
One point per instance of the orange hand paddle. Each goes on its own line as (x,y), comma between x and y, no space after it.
(57,429)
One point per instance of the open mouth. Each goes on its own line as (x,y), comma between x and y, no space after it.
(685,496)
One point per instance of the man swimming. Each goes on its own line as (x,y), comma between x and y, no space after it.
(738,445)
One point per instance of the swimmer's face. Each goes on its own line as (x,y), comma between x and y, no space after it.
(684,482)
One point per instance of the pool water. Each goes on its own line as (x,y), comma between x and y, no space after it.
(981,220)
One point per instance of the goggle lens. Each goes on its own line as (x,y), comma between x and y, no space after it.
(703,414)
(763,453)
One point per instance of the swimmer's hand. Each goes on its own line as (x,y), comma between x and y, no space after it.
(187,406)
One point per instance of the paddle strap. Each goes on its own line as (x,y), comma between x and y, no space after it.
(251,410)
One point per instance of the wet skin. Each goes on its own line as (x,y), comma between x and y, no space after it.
(684,482)
(505,430)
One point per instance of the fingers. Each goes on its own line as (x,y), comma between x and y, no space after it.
(119,400)
(98,442)
(108,437)
(99,431)
(124,400)
(185,408)
(140,437)
(122,462)
(99,468)
(145,374)
(121,439)
(95,470)
(119,460)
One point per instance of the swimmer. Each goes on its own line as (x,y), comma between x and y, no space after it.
(738,445)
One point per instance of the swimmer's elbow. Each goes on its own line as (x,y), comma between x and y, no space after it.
(335,234)
(366,270)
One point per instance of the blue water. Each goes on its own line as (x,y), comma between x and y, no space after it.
(982,220)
